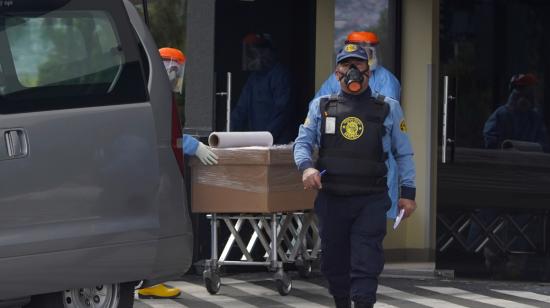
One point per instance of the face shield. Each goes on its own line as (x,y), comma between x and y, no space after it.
(373,58)
(257,58)
(522,95)
(175,72)
(522,99)
(174,63)
(258,53)
(251,58)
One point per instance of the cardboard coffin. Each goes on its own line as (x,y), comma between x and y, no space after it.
(249,180)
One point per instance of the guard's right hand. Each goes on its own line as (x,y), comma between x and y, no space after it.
(408,205)
(311,179)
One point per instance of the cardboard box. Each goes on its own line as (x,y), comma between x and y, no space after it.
(249,180)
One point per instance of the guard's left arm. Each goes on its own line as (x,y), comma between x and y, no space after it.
(403,153)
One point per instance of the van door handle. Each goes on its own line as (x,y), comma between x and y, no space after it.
(16,143)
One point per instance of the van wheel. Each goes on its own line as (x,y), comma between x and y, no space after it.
(102,296)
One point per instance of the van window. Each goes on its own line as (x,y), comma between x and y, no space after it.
(67,50)
(68,59)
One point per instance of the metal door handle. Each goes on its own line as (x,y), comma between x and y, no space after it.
(16,143)
(227,94)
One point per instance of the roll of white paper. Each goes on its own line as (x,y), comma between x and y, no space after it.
(239,139)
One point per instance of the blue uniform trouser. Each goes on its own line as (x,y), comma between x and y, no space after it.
(352,229)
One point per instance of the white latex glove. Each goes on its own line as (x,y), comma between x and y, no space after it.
(205,155)
(311,179)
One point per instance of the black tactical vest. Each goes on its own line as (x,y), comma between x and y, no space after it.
(351,149)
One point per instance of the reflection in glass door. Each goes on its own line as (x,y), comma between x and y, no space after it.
(493,195)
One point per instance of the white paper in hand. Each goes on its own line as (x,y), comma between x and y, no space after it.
(398,219)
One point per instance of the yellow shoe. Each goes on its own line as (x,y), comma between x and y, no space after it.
(159,291)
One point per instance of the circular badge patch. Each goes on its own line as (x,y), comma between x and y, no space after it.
(350,47)
(352,128)
(403,126)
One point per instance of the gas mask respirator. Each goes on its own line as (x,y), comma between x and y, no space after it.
(353,79)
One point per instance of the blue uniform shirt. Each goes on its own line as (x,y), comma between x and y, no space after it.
(395,142)
(381,82)
(190,145)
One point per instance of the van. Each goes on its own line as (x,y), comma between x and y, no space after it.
(92,197)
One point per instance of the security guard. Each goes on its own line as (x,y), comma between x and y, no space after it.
(355,134)
(381,82)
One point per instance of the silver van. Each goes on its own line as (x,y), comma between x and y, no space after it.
(92,196)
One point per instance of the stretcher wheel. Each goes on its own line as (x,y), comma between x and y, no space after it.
(212,285)
(284,285)
(305,269)
(212,282)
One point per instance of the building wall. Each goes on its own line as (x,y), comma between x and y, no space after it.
(324,41)
(414,240)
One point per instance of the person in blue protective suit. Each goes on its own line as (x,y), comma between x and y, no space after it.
(174,62)
(265,101)
(516,124)
(356,134)
(517,120)
(381,81)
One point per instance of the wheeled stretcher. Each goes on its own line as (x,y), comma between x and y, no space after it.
(257,194)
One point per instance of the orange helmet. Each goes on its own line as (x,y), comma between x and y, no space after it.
(252,39)
(174,54)
(174,63)
(522,80)
(363,37)
(258,40)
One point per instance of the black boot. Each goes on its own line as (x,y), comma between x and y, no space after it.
(361,304)
(342,302)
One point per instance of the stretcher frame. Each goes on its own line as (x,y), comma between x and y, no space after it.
(291,237)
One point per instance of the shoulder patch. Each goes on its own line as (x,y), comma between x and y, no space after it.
(403,126)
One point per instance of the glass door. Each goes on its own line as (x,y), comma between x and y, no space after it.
(215,76)
(493,196)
